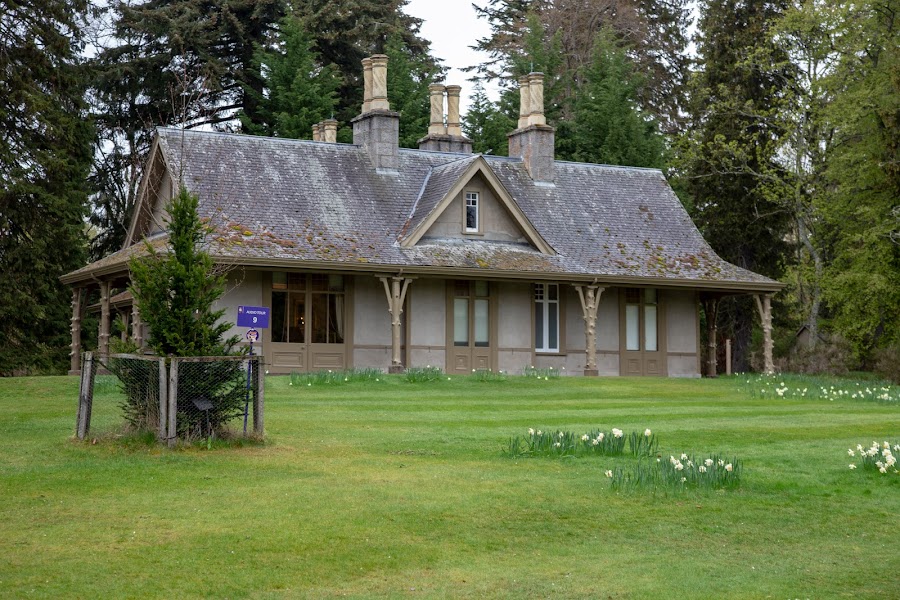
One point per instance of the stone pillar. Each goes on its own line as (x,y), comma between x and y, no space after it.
(764,306)
(77,309)
(536,103)
(524,102)
(328,131)
(436,126)
(103,337)
(395,290)
(590,302)
(711,309)
(379,83)
(367,85)
(453,126)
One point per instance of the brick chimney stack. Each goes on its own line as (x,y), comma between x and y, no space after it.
(533,141)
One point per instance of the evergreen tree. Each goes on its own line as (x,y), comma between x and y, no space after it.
(408,77)
(608,125)
(301,92)
(346,31)
(176,290)
(44,158)
(862,281)
(729,143)
(486,125)
(654,30)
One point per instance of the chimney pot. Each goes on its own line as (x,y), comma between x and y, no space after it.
(317,132)
(536,103)
(379,83)
(436,126)
(367,85)
(524,101)
(329,131)
(453,127)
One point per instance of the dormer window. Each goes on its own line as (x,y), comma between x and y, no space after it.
(472,224)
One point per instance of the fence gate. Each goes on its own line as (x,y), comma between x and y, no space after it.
(185,398)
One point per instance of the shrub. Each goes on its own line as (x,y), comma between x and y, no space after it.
(887,363)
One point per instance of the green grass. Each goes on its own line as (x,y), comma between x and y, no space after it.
(400,489)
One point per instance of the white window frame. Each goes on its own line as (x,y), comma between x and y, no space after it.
(543,305)
(472,199)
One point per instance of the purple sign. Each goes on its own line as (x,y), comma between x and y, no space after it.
(253,316)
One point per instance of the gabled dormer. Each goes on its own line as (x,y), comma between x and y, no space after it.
(464,199)
(156,190)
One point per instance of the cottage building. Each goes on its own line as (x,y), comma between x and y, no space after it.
(371,255)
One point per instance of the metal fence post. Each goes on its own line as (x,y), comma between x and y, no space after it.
(172,433)
(259,397)
(85,396)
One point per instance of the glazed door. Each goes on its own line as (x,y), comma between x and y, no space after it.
(308,323)
(470,327)
(641,336)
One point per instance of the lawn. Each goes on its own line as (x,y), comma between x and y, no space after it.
(397,489)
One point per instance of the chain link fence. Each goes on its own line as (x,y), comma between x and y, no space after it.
(187,398)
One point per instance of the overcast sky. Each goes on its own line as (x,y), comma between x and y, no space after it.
(451,26)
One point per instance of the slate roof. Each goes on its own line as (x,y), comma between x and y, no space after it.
(272,201)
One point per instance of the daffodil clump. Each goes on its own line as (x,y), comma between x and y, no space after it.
(544,374)
(423,374)
(595,442)
(331,377)
(819,388)
(681,472)
(488,375)
(877,457)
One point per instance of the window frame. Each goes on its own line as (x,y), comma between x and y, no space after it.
(475,197)
(544,304)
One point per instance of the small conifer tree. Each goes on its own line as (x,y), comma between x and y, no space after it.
(175,292)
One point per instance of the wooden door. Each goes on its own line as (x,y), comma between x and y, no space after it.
(642,339)
(470,327)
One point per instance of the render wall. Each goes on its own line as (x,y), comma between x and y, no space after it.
(682,333)
(515,324)
(242,288)
(427,306)
(371,324)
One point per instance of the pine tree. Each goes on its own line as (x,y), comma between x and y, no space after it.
(729,143)
(300,91)
(176,290)
(486,124)
(408,77)
(346,31)
(654,30)
(608,125)
(44,157)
